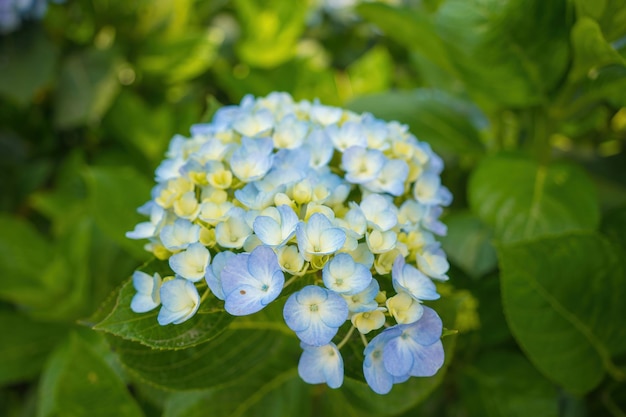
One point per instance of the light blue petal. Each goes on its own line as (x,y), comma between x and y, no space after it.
(322,364)
(289,221)
(427,359)
(398,355)
(244,300)
(297,316)
(235,273)
(213,274)
(302,238)
(332,240)
(374,370)
(143,282)
(334,312)
(427,330)
(275,287)
(318,333)
(167,316)
(267,230)
(409,279)
(263,264)
(142,303)
(142,230)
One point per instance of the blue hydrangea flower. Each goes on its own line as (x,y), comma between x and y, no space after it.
(376,375)
(361,164)
(272,192)
(315,314)
(364,300)
(192,262)
(409,279)
(251,281)
(276,229)
(180,234)
(344,276)
(318,236)
(402,351)
(321,365)
(213,274)
(415,349)
(148,292)
(180,301)
(253,159)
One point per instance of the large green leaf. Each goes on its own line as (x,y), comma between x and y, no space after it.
(610,14)
(590,50)
(139,126)
(275,389)
(28,60)
(78,382)
(563,304)
(522,200)
(266,394)
(433,116)
(504,384)
(411,29)
(468,244)
(178,59)
(25,259)
(25,351)
(511,53)
(614,226)
(120,320)
(87,86)
(224,360)
(115,193)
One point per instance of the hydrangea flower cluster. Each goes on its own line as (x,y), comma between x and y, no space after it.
(274,191)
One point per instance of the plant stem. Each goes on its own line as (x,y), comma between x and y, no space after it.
(346,337)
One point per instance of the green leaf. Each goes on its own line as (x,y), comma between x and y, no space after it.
(610,14)
(78,382)
(562,306)
(25,351)
(278,394)
(87,86)
(27,59)
(591,51)
(522,200)
(493,327)
(271,30)
(468,244)
(505,384)
(224,360)
(208,323)
(274,389)
(25,257)
(115,193)
(63,203)
(614,226)
(411,29)
(178,59)
(508,53)
(372,72)
(433,116)
(139,126)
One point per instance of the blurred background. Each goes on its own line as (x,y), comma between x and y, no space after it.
(524,99)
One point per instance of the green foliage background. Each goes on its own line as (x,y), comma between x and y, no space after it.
(524,99)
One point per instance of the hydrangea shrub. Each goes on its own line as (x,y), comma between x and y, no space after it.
(273,193)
